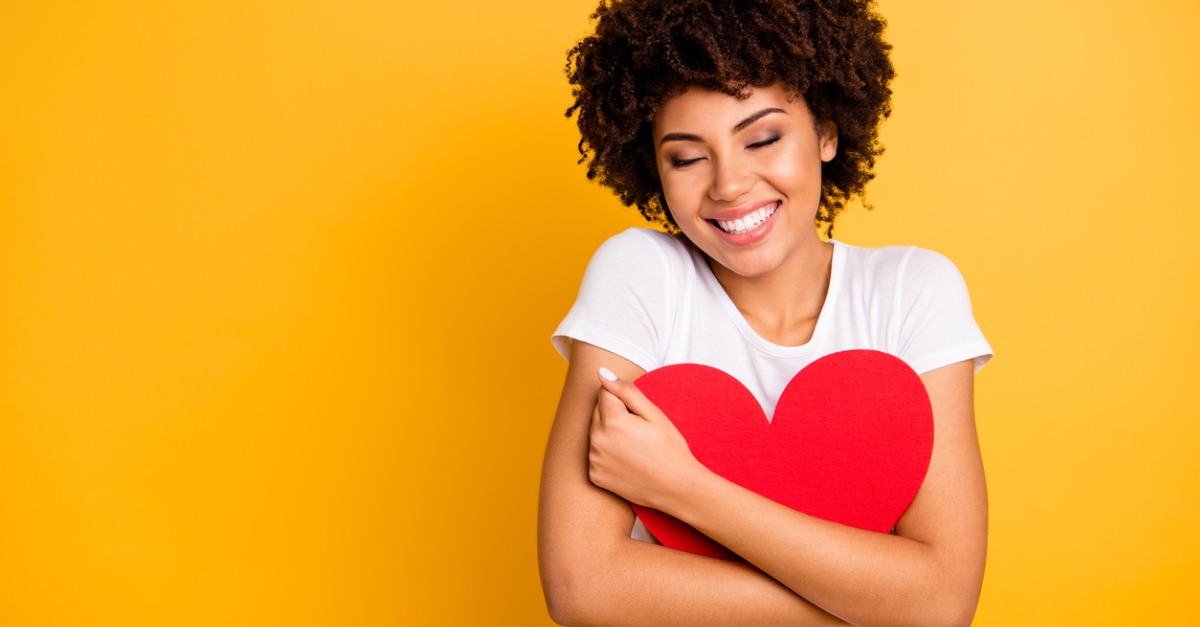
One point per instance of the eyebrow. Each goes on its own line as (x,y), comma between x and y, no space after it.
(688,137)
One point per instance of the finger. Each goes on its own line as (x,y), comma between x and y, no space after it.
(607,405)
(629,394)
(593,456)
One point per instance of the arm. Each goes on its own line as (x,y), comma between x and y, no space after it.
(928,573)
(593,573)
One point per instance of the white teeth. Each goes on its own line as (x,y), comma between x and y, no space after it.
(747,222)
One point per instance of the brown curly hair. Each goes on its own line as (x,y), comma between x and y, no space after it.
(644,52)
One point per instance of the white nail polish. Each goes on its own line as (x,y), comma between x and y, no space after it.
(607,374)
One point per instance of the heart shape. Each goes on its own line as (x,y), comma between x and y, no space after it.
(850,440)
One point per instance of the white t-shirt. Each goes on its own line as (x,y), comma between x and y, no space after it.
(651,298)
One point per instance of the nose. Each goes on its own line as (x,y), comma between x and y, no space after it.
(730,179)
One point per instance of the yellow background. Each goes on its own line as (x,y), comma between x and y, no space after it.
(277,281)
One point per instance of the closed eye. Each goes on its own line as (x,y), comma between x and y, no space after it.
(766,142)
(681,163)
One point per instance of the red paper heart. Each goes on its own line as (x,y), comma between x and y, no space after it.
(850,440)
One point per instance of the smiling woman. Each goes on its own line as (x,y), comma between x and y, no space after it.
(733,170)
(743,127)
(643,54)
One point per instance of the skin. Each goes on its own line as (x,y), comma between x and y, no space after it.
(609,445)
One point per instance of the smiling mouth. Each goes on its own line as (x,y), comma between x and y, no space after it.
(747,222)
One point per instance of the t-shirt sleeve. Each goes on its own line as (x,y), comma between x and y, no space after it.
(938,327)
(622,305)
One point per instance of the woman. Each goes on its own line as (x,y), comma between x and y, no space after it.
(743,127)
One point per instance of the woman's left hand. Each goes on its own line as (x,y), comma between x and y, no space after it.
(634,449)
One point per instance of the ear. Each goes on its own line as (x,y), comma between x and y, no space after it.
(827,140)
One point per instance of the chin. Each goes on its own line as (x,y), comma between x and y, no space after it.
(749,268)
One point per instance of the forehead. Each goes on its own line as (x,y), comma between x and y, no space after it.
(702,111)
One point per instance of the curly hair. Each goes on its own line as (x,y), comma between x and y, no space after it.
(644,52)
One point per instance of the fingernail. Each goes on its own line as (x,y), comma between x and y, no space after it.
(607,374)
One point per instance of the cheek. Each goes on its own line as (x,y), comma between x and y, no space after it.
(797,172)
(681,194)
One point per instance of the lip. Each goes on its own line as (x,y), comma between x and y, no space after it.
(735,213)
(752,236)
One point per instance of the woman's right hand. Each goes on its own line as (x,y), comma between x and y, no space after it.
(635,451)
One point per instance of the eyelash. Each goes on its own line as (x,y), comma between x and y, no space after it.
(766,142)
(683,163)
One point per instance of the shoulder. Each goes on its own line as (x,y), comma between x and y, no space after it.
(904,266)
(895,258)
(629,295)
(923,302)
(644,245)
(639,255)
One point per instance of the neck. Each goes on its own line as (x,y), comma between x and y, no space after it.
(782,306)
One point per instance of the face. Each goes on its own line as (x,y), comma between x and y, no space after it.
(742,177)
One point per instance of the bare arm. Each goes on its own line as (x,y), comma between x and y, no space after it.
(928,573)
(594,574)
